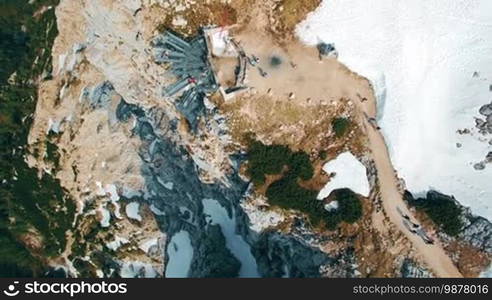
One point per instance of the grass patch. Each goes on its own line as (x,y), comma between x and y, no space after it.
(214,12)
(294,11)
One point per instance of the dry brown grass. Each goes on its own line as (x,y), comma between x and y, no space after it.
(286,14)
(295,11)
(198,15)
(301,127)
(470,261)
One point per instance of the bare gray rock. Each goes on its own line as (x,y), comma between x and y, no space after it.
(479,166)
(486,109)
(410,269)
(479,233)
(488,158)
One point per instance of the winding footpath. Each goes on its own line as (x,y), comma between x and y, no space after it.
(433,255)
(314,79)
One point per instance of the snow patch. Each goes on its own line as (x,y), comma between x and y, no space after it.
(117,243)
(146,245)
(105,216)
(430,63)
(156,211)
(220,43)
(130,193)
(180,253)
(333,205)
(260,219)
(349,173)
(235,242)
(134,269)
(110,191)
(487,273)
(132,211)
(53,126)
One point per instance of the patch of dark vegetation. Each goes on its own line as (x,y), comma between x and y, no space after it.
(266,160)
(272,159)
(29,204)
(349,206)
(340,126)
(275,61)
(287,193)
(52,154)
(14,270)
(441,209)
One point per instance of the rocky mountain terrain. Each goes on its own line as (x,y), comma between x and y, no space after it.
(471,248)
(119,142)
(151,196)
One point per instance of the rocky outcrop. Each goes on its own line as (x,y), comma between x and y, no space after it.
(476,230)
(485,126)
(124,139)
(212,258)
(173,188)
(486,109)
(281,255)
(409,269)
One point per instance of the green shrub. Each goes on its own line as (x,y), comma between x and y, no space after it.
(271,159)
(340,126)
(265,160)
(286,192)
(300,166)
(443,211)
(349,205)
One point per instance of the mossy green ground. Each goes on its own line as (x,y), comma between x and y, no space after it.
(28,203)
(286,192)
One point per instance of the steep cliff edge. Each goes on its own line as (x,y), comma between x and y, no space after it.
(160,188)
(139,178)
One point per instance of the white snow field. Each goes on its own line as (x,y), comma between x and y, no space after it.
(234,241)
(430,63)
(349,173)
(180,253)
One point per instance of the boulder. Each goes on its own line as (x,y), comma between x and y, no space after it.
(486,109)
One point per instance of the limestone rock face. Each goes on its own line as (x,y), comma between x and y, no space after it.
(479,233)
(411,270)
(476,230)
(123,142)
(486,109)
